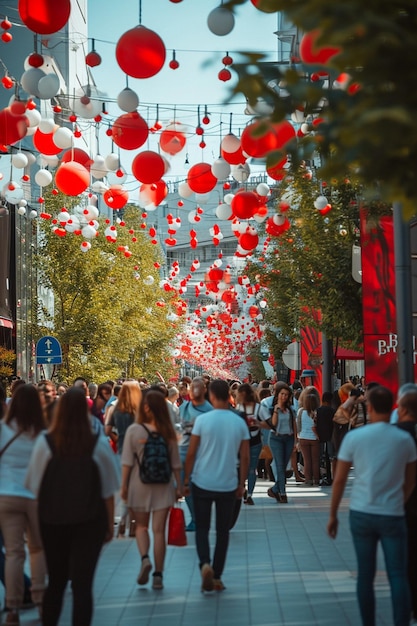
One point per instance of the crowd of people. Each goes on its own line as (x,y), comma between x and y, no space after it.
(72,462)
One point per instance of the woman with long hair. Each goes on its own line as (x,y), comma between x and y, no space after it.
(125,413)
(308,435)
(247,403)
(146,498)
(74,474)
(19,431)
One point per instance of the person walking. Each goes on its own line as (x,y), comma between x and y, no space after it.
(308,436)
(156,498)
(384,459)
(19,431)
(219,441)
(73,473)
(248,405)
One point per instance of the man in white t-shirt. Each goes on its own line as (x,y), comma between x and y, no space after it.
(384,459)
(219,442)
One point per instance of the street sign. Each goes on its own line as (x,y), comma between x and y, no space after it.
(48,351)
(291,356)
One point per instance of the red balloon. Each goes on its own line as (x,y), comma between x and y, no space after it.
(79,155)
(44,142)
(12,127)
(93,59)
(253,311)
(44,16)
(248,241)
(148,167)
(233,158)
(266,6)
(284,132)
(200,178)
(244,204)
(310,53)
(130,131)
(155,193)
(140,52)
(116,197)
(276,170)
(172,141)
(215,274)
(72,178)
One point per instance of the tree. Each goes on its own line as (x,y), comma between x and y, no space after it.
(108,319)
(7,358)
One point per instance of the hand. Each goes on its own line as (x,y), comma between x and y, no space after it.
(123,492)
(332,526)
(186,490)
(240,491)
(178,493)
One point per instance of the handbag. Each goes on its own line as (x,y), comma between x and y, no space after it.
(176,527)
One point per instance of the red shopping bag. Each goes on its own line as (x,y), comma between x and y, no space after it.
(176,527)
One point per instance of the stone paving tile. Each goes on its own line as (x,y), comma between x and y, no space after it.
(282,570)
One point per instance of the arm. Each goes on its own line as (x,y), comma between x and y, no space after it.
(244,455)
(409,480)
(109,502)
(108,426)
(339,483)
(126,469)
(189,461)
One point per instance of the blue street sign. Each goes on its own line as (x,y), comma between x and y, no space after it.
(48,351)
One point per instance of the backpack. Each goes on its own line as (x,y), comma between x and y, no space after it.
(155,465)
(70,491)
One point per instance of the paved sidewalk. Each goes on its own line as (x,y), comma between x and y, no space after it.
(282,569)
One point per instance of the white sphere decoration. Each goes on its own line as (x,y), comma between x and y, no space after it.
(263,189)
(218,263)
(114,179)
(192,217)
(90,212)
(305,128)
(33,214)
(13,196)
(46,125)
(150,207)
(30,81)
(63,216)
(94,223)
(149,280)
(99,187)
(23,202)
(220,21)
(72,224)
(19,160)
(87,102)
(30,157)
(278,219)
(320,203)
(184,190)
(112,161)
(85,246)
(88,231)
(241,172)
(128,100)
(228,198)
(48,86)
(220,168)
(63,137)
(43,178)
(259,218)
(52,160)
(111,232)
(223,211)
(98,168)
(21,210)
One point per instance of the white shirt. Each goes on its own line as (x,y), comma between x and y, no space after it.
(221,433)
(379,456)
(14,462)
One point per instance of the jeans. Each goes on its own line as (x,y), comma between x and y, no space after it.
(225,503)
(17,516)
(281,448)
(255,451)
(367,529)
(188,499)
(72,552)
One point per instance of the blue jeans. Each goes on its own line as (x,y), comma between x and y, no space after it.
(188,499)
(255,451)
(281,448)
(367,529)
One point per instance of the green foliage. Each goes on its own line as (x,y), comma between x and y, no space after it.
(105,316)
(369,131)
(7,358)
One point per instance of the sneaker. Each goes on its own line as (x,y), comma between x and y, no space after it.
(144,571)
(157,581)
(207,577)
(249,500)
(272,494)
(283,498)
(218,585)
(191,527)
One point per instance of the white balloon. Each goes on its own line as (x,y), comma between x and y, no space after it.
(48,86)
(99,187)
(33,116)
(19,160)
(223,211)
(31,157)
(228,198)
(149,280)
(263,189)
(21,210)
(184,190)
(13,196)
(43,178)
(63,217)
(260,218)
(88,231)
(230,143)
(98,168)
(241,172)
(33,214)
(63,137)
(46,125)
(87,102)
(51,160)
(128,100)
(220,168)
(23,202)
(321,202)
(73,224)
(114,179)
(90,212)
(30,81)
(112,161)
(85,246)
(220,21)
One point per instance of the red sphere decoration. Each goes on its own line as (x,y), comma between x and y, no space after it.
(155,193)
(148,167)
(173,64)
(172,141)
(44,16)
(5,24)
(93,59)
(7,82)
(224,75)
(12,127)
(79,155)
(35,60)
(311,53)
(72,178)
(140,52)
(44,142)
(244,204)
(6,36)
(227,60)
(116,197)
(248,241)
(200,178)
(130,131)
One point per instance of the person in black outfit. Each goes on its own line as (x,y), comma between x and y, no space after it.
(324,424)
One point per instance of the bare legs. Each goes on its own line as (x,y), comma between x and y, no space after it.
(159,519)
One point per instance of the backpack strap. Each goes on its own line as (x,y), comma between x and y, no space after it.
(3,450)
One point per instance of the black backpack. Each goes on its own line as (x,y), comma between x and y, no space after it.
(155,465)
(70,491)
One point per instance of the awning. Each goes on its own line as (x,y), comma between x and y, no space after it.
(348,355)
(6,323)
